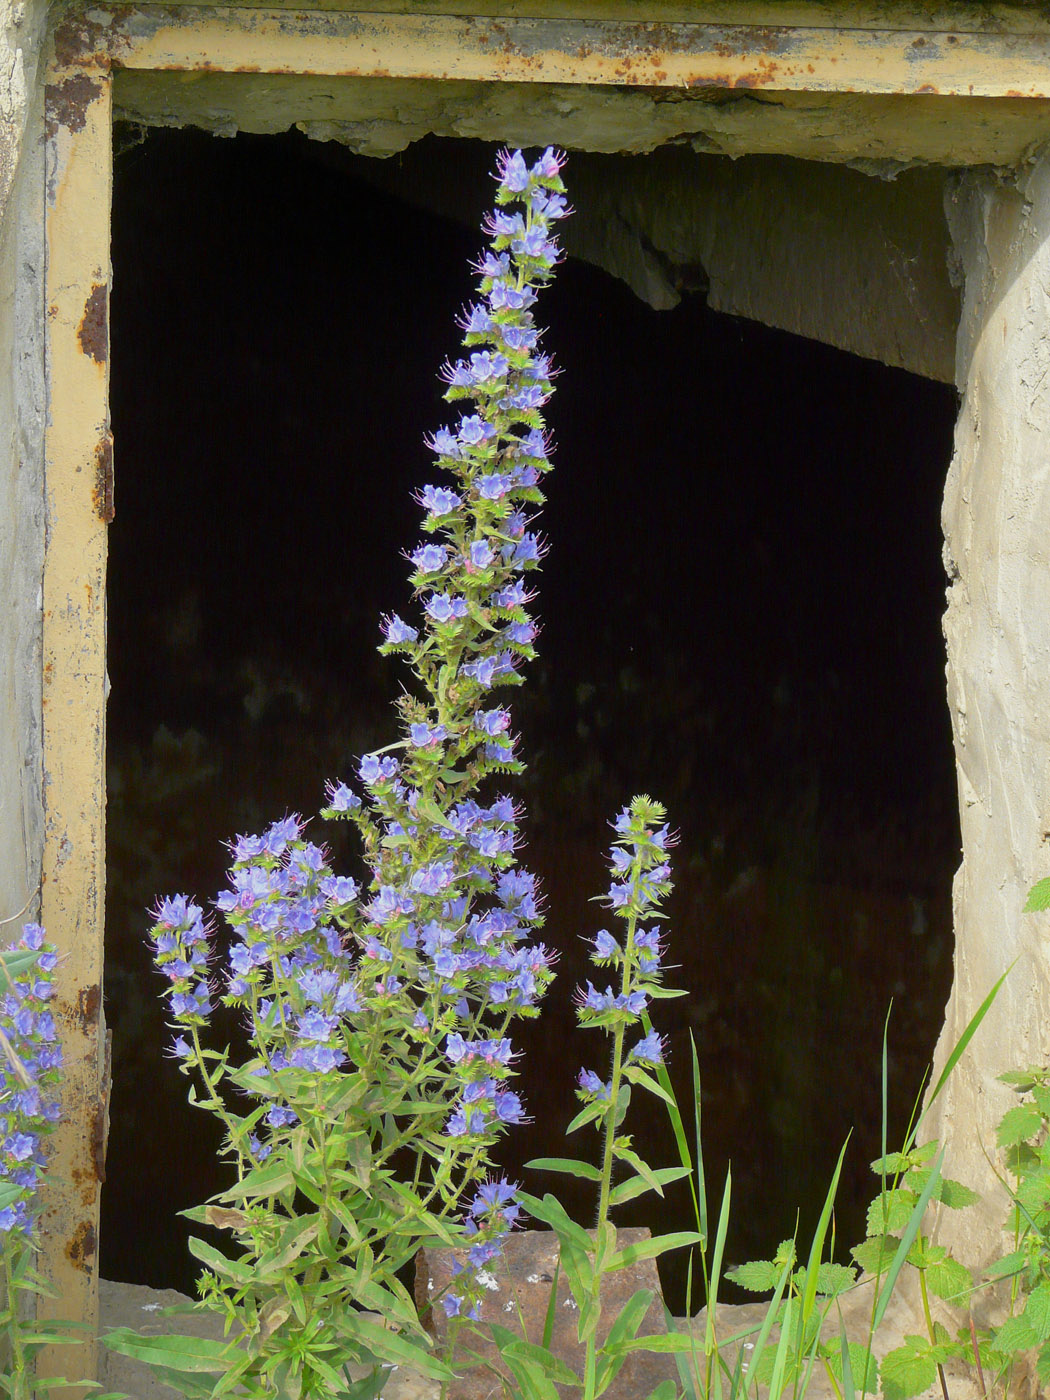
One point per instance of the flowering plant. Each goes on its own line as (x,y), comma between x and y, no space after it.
(30,1070)
(361,1124)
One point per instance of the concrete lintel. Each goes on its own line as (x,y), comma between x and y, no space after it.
(641,53)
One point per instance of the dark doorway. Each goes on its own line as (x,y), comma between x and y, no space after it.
(741,615)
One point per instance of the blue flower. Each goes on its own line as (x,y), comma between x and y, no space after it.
(591,1084)
(649,1050)
(513,173)
(396,632)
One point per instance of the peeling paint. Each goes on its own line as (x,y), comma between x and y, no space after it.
(93,331)
(102,493)
(89,1003)
(82,1247)
(66,103)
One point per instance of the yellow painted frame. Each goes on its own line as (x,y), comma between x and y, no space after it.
(85,49)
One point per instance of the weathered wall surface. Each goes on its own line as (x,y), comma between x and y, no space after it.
(997,554)
(21,450)
(810,247)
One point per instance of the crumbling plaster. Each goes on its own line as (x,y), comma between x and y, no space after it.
(996,520)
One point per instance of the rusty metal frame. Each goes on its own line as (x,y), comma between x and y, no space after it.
(86,48)
(579,51)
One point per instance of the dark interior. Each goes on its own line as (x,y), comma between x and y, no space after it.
(741,615)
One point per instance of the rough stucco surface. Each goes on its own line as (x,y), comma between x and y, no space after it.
(816,249)
(997,552)
(21,451)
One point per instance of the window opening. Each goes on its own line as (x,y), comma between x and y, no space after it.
(741,613)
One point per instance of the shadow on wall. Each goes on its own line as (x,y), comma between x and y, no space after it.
(741,615)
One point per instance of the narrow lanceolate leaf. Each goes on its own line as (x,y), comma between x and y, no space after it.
(176,1353)
(637,1186)
(652,1249)
(566,1165)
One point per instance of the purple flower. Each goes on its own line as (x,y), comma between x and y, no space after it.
(508,1107)
(476,321)
(442,608)
(428,558)
(438,501)
(481,554)
(474,430)
(374,769)
(339,889)
(492,722)
(548,166)
(395,631)
(453,1304)
(591,1084)
(512,171)
(483,670)
(649,1050)
(606,947)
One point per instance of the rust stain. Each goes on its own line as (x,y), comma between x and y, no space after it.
(80,38)
(102,492)
(80,1251)
(66,103)
(89,1002)
(92,333)
(926,87)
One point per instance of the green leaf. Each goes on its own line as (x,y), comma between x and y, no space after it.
(833,1279)
(553,1213)
(907,1240)
(652,1249)
(389,1346)
(864,1369)
(638,1186)
(757,1276)
(908,1369)
(566,1165)
(875,1254)
(547,1362)
(949,1279)
(1016,1334)
(891,1210)
(234,1269)
(666,1390)
(175,1353)
(1038,897)
(954,1194)
(1037,1311)
(1018,1124)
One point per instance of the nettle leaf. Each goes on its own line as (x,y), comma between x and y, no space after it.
(1042,1366)
(908,1369)
(891,1210)
(1018,1124)
(1037,1311)
(758,1276)
(833,1279)
(1023,1080)
(1016,1334)
(862,1364)
(1038,897)
(948,1278)
(875,1254)
(954,1194)
(1041,1097)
